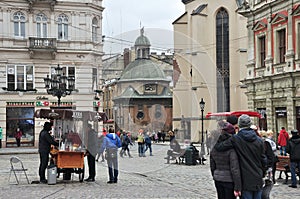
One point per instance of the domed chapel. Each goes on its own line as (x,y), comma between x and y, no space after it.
(143,98)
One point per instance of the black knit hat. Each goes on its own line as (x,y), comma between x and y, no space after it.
(232,119)
(47,126)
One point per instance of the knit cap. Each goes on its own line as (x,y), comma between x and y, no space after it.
(244,121)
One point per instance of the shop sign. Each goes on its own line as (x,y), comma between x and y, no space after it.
(77,114)
(280,112)
(19,103)
(96,104)
(42,103)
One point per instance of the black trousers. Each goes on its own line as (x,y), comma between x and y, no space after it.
(225,190)
(44,159)
(18,140)
(92,166)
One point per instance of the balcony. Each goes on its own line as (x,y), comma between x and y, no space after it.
(32,3)
(47,45)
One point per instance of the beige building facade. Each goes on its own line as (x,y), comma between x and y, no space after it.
(210,41)
(36,37)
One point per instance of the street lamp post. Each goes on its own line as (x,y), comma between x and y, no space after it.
(202,105)
(59,85)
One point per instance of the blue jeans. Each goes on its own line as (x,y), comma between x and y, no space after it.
(283,150)
(148,146)
(294,165)
(141,148)
(251,194)
(112,163)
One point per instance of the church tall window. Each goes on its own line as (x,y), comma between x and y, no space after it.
(222,61)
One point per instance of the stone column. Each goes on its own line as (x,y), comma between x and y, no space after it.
(289,57)
(290,109)
(269,58)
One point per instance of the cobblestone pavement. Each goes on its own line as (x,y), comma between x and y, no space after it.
(140,177)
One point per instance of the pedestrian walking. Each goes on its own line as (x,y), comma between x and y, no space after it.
(293,148)
(125,144)
(225,168)
(111,143)
(250,150)
(148,143)
(18,135)
(45,142)
(283,137)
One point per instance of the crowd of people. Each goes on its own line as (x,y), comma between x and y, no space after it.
(243,158)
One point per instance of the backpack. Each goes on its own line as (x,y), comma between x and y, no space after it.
(272,143)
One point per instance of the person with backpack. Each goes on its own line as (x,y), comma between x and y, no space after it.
(270,139)
(125,143)
(293,148)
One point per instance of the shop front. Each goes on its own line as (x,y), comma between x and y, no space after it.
(20,115)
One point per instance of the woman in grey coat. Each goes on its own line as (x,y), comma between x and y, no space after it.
(225,168)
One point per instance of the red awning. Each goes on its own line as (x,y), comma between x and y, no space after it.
(236,113)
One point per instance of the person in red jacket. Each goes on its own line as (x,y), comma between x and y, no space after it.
(283,137)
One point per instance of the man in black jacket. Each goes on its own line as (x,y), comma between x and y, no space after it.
(250,150)
(293,148)
(45,142)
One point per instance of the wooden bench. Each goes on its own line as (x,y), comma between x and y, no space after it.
(283,165)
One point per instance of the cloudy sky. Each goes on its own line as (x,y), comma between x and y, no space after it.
(122,20)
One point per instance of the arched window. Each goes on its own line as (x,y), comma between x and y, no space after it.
(95,30)
(62,27)
(41,26)
(222,61)
(19,24)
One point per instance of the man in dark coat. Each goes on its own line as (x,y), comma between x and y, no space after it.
(293,148)
(45,142)
(250,150)
(91,153)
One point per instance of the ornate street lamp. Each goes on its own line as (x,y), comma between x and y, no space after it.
(202,105)
(59,85)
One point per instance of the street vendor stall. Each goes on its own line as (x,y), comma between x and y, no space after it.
(69,128)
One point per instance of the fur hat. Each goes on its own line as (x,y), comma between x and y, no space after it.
(244,121)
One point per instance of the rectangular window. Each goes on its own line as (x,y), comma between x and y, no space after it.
(95,82)
(19,77)
(262,51)
(281,45)
(62,32)
(19,28)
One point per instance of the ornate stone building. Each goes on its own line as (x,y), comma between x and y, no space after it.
(273,67)
(142,98)
(36,37)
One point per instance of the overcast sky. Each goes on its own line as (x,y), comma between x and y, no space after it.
(122,20)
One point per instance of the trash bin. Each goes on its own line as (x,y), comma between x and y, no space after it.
(190,156)
(52,173)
